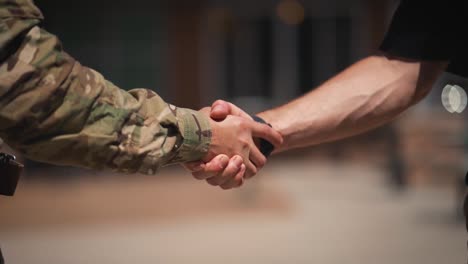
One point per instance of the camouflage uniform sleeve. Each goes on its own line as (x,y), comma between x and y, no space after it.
(57,111)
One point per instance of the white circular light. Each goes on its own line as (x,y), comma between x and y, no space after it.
(454,98)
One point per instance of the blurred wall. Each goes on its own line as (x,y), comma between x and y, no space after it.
(257,54)
(193,52)
(125,41)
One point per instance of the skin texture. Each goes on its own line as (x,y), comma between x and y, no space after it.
(233,137)
(364,96)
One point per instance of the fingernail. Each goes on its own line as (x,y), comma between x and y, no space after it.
(224,159)
(243,168)
(238,160)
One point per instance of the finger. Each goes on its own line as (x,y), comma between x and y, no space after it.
(194,166)
(229,173)
(212,168)
(257,158)
(221,109)
(236,181)
(266,132)
(242,172)
(251,170)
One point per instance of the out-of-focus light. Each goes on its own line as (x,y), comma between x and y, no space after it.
(454,98)
(290,12)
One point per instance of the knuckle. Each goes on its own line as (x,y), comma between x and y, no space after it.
(219,101)
(198,176)
(260,165)
(216,166)
(244,144)
(239,178)
(253,171)
(262,162)
(240,123)
(212,182)
(230,172)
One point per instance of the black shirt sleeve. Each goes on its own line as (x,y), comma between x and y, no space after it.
(430,30)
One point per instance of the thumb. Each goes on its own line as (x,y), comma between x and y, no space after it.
(220,110)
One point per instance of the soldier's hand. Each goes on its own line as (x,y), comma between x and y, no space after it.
(219,168)
(221,109)
(225,172)
(234,136)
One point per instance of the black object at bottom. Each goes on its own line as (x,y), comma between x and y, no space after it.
(10,172)
(2,261)
(466,179)
(465,206)
(465,209)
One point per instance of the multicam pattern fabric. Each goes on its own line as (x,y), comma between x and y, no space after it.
(55,110)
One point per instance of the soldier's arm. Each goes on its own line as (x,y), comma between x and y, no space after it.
(53,109)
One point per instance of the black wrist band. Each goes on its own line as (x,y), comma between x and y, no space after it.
(10,172)
(265,146)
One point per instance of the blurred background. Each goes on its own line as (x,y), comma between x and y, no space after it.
(389,196)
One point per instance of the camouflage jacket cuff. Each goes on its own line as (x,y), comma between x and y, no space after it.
(196,133)
(20,8)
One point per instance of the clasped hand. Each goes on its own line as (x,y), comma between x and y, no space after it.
(233,155)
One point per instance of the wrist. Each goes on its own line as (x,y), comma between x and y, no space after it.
(265,147)
(214,142)
(271,118)
(196,130)
(265,116)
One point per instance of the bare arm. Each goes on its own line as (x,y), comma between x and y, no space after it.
(366,95)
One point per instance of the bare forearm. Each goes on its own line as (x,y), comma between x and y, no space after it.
(364,96)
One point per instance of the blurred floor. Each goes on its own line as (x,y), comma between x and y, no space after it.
(294,212)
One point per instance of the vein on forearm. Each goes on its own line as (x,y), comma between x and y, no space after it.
(364,96)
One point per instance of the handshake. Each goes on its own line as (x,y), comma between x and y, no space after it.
(234,153)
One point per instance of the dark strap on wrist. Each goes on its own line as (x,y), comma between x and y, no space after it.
(10,171)
(265,146)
